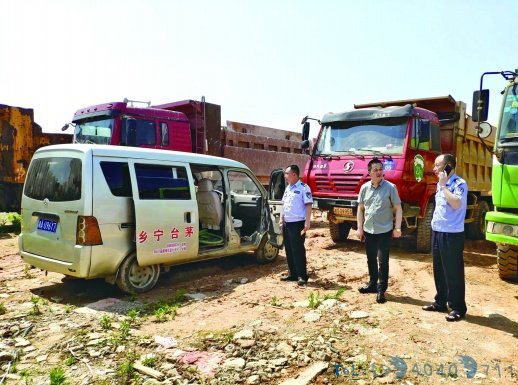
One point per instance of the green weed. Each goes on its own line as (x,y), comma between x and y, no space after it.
(57,377)
(3,309)
(149,361)
(35,307)
(70,360)
(106,322)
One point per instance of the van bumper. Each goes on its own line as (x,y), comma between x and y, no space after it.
(79,270)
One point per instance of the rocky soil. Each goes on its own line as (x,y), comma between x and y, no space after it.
(231,321)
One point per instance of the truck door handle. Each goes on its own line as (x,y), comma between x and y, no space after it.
(187,217)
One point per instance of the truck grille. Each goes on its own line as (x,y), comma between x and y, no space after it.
(340,183)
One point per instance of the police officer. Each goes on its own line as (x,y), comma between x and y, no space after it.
(448,239)
(295,221)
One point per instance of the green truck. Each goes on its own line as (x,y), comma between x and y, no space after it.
(502,221)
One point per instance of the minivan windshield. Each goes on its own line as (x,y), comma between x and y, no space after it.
(55,179)
(94,130)
(380,136)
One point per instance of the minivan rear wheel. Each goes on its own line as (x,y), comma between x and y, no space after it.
(133,278)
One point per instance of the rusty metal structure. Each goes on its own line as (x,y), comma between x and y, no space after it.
(20,137)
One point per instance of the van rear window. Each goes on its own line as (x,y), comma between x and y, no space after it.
(117,177)
(162,182)
(57,179)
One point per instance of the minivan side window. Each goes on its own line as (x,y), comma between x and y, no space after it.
(117,177)
(162,182)
(242,184)
(57,179)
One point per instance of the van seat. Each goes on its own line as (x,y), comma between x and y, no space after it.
(209,205)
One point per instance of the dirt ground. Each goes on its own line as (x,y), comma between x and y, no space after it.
(238,293)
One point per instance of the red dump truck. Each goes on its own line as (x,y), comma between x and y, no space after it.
(191,126)
(20,136)
(407,135)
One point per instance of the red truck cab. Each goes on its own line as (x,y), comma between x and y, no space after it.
(407,136)
(121,123)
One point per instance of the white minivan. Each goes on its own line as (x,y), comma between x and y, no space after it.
(124,213)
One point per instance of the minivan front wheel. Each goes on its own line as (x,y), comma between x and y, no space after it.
(133,278)
(266,252)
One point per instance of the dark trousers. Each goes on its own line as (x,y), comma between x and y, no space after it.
(448,270)
(295,250)
(377,247)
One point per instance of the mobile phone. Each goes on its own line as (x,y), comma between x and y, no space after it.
(447,169)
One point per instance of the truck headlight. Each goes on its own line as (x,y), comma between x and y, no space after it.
(502,228)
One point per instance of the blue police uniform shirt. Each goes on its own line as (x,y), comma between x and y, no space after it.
(445,218)
(294,201)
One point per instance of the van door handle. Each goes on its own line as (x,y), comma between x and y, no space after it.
(187,217)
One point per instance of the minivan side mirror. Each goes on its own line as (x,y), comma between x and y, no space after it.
(480,106)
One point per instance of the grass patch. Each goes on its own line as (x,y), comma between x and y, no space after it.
(10,223)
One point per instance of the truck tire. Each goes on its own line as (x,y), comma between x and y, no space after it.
(132,278)
(507,257)
(266,252)
(339,231)
(424,230)
(477,228)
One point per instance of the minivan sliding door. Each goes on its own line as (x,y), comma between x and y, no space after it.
(166,215)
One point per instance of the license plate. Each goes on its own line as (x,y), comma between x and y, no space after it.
(47,225)
(343,211)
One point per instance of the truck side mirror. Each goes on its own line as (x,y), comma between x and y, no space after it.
(304,144)
(129,133)
(305,132)
(480,106)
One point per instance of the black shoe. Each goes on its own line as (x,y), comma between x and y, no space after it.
(368,289)
(301,282)
(434,307)
(380,298)
(288,278)
(454,316)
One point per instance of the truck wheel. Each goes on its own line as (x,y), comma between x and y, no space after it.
(424,230)
(477,228)
(339,231)
(507,257)
(266,252)
(133,278)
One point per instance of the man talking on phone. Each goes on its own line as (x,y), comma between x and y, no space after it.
(448,239)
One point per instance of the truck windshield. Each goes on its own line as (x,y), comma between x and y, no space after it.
(94,130)
(509,123)
(380,136)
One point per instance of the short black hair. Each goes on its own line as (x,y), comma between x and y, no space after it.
(373,161)
(449,159)
(294,168)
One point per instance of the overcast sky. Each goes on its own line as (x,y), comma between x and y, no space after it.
(267,62)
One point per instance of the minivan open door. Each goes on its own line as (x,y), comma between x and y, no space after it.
(276,188)
(166,214)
